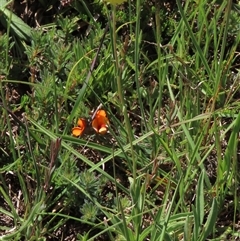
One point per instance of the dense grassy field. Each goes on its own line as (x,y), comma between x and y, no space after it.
(120,121)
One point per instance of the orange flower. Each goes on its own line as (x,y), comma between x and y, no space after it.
(100,122)
(78,131)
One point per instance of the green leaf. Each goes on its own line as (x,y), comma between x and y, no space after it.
(211,220)
(200,198)
(17,26)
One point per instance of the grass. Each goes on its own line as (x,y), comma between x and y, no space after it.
(168,77)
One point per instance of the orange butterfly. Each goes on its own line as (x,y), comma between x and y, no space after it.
(99,124)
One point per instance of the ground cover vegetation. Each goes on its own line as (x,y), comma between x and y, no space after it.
(119,121)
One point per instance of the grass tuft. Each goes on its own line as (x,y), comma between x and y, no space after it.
(166,75)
